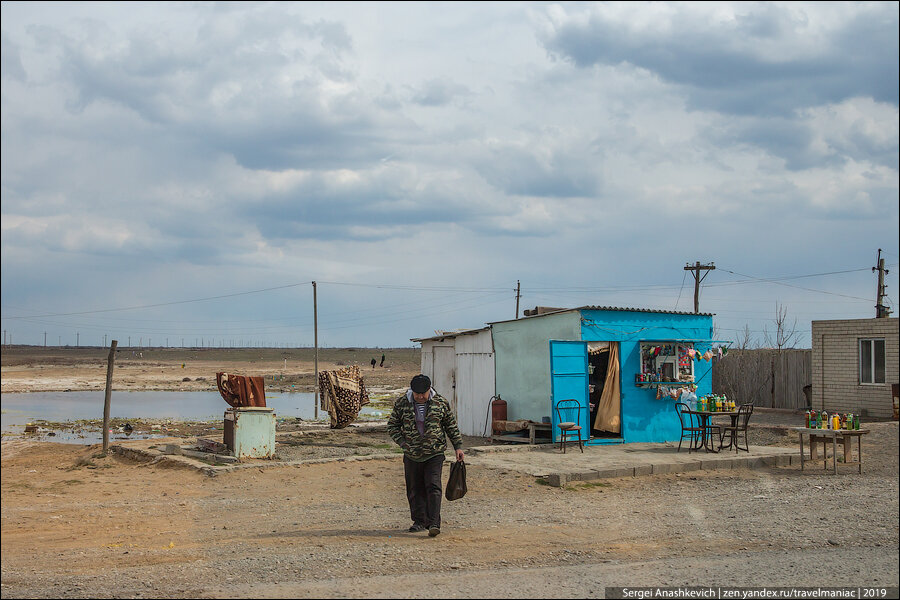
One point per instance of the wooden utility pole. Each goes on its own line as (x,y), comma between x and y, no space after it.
(696,268)
(518,295)
(316,342)
(881,311)
(109,373)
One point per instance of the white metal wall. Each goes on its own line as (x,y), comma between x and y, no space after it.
(474,389)
(474,381)
(443,379)
(461,369)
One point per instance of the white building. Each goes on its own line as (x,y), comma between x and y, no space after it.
(461,367)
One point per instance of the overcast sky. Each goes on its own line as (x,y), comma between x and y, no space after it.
(179,172)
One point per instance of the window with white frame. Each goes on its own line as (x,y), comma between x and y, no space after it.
(871,361)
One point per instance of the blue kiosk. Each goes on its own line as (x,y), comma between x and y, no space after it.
(625,367)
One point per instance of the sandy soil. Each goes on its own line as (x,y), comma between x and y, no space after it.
(31,369)
(78,525)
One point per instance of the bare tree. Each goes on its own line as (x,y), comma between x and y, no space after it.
(784,336)
(744,339)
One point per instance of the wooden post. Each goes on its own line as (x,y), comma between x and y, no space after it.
(109,373)
(316,342)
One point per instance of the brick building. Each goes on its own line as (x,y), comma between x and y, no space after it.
(854,363)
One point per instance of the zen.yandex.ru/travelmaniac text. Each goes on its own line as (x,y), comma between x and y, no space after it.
(862,593)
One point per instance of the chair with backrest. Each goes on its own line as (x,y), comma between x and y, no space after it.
(740,425)
(568,413)
(689,429)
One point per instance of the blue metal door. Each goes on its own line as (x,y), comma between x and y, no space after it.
(569,380)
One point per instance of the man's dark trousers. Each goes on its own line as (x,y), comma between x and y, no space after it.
(423,489)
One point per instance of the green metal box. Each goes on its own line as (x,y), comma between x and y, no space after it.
(250,432)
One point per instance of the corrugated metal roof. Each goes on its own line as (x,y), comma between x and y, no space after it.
(450,334)
(617,308)
(651,310)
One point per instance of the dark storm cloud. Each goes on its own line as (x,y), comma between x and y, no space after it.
(756,64)
(322,209)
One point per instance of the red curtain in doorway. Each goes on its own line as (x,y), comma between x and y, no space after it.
(608,417)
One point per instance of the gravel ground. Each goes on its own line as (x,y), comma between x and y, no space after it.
(338,530)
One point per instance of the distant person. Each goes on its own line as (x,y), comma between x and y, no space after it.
(373,363)
(382,360)
(420,424)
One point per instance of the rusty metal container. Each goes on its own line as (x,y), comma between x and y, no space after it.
(498,413)
(250,432)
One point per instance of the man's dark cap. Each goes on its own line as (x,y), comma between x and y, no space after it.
(420,384)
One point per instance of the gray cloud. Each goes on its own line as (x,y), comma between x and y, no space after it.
(756,64)
(439,93)
(520,172)
(11,67)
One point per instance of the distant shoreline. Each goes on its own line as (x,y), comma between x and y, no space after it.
(60,369)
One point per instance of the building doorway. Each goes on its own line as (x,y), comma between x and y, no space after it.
(600,355)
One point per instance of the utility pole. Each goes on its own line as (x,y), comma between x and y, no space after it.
(77,339)
(45,339)
(518,295)
(316,341)
(696,268)
(881,311)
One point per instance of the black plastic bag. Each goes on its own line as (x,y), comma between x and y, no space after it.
(456,484)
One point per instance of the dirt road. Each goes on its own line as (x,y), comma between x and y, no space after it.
(74,525)
(77,526)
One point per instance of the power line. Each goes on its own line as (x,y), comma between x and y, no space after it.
(778,282)
(104,310)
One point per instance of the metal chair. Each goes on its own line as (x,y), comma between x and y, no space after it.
(687,429)
(740,425)
(567,412)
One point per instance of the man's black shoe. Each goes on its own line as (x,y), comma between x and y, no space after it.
(433,530)
(415,528)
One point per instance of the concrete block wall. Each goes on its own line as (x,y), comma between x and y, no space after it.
(835,366)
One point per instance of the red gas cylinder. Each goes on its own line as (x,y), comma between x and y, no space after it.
(498,413)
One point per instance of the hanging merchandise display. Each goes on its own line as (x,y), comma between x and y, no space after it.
(663,363)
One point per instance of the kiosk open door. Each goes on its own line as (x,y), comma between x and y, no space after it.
(569,380)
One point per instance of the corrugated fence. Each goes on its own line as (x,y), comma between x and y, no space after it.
(765,377)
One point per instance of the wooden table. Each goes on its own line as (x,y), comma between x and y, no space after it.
(704,422)
(846,436)
(532,426)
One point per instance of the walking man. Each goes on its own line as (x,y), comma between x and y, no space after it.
(382,360)
(420,424)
